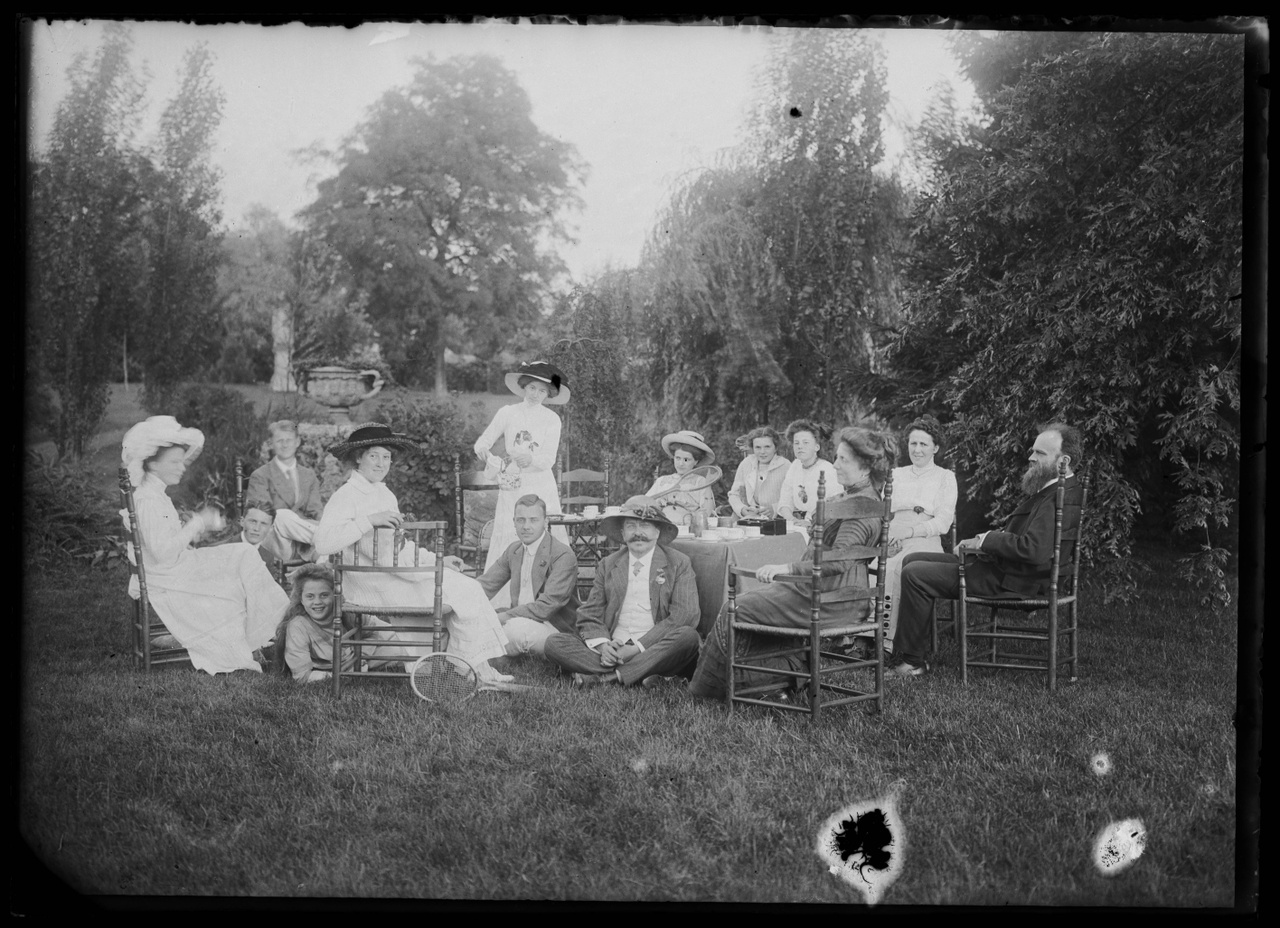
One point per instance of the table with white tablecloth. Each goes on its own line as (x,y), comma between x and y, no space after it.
(712,560)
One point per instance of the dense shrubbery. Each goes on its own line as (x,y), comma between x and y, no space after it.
(65,518)
(424,481)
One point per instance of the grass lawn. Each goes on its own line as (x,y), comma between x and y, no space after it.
(245,785)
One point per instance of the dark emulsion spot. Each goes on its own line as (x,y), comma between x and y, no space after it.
(795,112)
(867,836)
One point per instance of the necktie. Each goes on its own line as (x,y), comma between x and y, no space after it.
(293,478)
(635,568)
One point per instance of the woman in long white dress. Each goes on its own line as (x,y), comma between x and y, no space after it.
(924,506)
(363,505)
(687,450)
(221,602)
(531,435)
(799,494)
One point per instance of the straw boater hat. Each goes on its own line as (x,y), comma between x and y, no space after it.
(694,440)
(149,436)
(370,435)
(549,374)
(640,507)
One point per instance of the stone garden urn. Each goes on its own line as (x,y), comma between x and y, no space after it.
(339,388)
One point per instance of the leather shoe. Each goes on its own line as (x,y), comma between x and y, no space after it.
(584,681)
(906,670)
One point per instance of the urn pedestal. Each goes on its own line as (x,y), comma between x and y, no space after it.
(339,388)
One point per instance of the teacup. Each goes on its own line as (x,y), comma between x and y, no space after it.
(613,510)
(710,534)
(750,531)
(591,511)
(733,534)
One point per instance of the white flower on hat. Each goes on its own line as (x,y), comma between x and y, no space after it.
(149,436)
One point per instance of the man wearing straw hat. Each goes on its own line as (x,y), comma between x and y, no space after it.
(641,619)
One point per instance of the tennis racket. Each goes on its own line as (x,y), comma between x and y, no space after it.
(443,678)
(697,479)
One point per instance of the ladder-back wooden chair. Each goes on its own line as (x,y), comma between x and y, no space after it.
(571,502)
(478,549)
(824,666)
(1044,654)
(352,634)
(284,565)
(152,644)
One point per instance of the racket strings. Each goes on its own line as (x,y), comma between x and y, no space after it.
(443,678)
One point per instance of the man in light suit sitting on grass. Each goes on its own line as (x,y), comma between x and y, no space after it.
(543,574)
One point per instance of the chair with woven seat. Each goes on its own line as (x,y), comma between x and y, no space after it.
(284,566)
(1064,580)
(471,538)
(824,664)
(351,634)
(152,643)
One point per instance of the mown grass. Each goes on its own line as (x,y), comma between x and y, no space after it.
(181,783)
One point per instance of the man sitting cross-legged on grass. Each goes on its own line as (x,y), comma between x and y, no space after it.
(641,619)
(1014,561)
(543,574)
(292,489)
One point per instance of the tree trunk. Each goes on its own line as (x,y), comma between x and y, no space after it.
(442,387)
(282,349)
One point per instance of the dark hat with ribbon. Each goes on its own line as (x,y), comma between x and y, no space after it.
(552,376)
(371,435)
(639,507)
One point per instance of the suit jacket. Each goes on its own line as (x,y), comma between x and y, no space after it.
(673,596)
(1020,557)
(269,483)
(554,579)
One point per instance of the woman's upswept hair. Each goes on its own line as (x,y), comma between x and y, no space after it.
(297,581)
(819,430)
(930,426)
(764,431)
(878,451)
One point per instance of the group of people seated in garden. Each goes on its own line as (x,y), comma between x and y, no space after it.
(639,625)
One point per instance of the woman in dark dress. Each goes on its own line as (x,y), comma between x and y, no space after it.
(864,460)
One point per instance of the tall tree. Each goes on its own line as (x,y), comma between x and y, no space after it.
(254,286)
(1081,261)
(87,258)
(174,329)
(445,202)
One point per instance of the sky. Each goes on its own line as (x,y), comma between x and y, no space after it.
(642,104)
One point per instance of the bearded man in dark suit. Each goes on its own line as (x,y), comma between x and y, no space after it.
(1015,560)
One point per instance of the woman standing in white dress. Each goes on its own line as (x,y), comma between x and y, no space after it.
(924,506)
(363,505)
(531,435)
(221,602)
(799,495)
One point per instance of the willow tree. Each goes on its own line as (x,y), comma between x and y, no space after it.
(774,271)
(446,206)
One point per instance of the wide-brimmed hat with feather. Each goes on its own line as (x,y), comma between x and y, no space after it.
(552,376)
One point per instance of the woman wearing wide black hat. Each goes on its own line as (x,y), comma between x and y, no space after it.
(363,504)
(531,436)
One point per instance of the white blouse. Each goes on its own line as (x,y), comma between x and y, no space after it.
(800,488)
(934,491)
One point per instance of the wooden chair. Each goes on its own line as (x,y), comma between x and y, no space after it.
(579,476)
(823,664)
(151,642)
(1065,567)
(463,483)
(284,565)
(951,619)
(350,633)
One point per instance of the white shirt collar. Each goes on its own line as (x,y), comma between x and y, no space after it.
(646,560)
(287,468)
(532,547)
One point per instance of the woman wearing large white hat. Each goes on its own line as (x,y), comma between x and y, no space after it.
(687,450)
(221,602)
(531,438)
